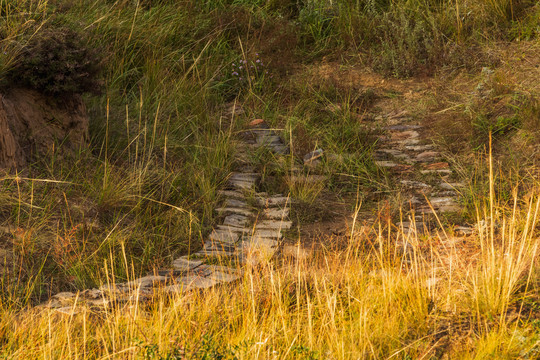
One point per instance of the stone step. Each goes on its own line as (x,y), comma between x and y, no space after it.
(234,211)
(236,220)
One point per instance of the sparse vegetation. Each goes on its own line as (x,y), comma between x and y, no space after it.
(160,78)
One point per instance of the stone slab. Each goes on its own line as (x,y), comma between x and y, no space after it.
(274,201)
(273,225)
(276,213)
(234,210)
(236,220)
(184,263)
(223,236)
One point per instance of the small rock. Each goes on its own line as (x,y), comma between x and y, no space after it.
(256,122)
(280,149)
(312,156)
(465,230)
(269,140)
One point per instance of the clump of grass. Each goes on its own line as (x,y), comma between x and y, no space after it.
(355,302)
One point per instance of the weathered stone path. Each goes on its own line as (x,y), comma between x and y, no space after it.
(427,182)
(249,234)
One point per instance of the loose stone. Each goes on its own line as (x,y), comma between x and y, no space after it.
(268,140)
(314,155)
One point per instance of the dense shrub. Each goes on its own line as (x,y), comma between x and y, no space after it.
(57,61)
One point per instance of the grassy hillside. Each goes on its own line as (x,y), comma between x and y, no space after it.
(160,79)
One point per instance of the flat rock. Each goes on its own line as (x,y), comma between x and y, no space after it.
(269,140)
(402,127)
(186,264)
(451,186)
(223,276)
(273,225)
(393,152)
(415,184)
(236,220)
(190,282)
(230,202)
(440,172)
(312,156)
(268,233)
(274,201)
(243,185)
(244,176)
(437,166)
(388,164)
(402,135)
(147,281)
(215,246)
(281,149)
(224,236)
(408,142)
(214,252)
(276,213)
(466,230)
(427,156)
(419,147)
(234,210)
(233,229)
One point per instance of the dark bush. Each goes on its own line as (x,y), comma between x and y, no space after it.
(58,61)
